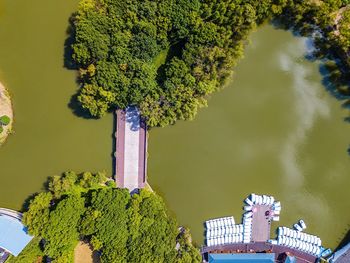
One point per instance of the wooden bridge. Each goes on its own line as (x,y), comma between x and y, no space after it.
(131,149)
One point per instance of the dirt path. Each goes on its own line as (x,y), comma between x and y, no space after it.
(84,254)
(5,109)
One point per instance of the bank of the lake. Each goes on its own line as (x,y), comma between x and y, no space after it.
(5,110)
(274,129)
(49,138)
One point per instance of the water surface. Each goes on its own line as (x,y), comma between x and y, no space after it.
(48,138)
(274,130)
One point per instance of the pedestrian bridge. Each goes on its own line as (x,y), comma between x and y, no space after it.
(131,149)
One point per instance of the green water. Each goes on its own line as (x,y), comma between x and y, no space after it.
(48,138)
(275,130)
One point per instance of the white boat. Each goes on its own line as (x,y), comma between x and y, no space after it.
(248,208)
(298,235)
(298,244)
(302,224)
(209,233)
(264,199)
(248,201)
(248,214)
(294,243)
(253,198)
(277,204)
(260,200)
(207,224)
(297,227)
(280,231)
(276,218)
(276,212)
(232,220)
(319,242)
(308,239)
(271,200)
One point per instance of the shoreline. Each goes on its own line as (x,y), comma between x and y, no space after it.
(5,109)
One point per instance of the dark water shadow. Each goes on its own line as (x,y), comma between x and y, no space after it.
(114,147)
(78,110)
(26,203)
(345,240)
(68,62)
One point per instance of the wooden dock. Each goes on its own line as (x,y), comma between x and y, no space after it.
(261,223)
(131,150)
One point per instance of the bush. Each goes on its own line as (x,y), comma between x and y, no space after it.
(5,120)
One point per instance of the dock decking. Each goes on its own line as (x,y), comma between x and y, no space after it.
(261,223)
(131,149)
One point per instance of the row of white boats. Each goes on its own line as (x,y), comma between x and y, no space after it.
(218,232)
(290,233)
(227,239)
(254,199)
(221,230)
(222,222)
(299,245)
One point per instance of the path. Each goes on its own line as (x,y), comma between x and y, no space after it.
(5,109)
(131,150)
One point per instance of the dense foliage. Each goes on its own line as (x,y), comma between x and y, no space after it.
(327,23)
(167,56)
(123,228)
(118,44)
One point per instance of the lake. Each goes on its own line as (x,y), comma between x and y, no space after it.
(273,130)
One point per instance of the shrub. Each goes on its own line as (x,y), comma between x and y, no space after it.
(5,120)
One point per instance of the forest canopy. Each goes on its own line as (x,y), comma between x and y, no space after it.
(121,227)
(118,45)
(168,56)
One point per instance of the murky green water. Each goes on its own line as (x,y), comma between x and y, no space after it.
(48,137)
(274,130)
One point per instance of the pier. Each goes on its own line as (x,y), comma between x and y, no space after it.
(253,236)
(261,223)
(131,150)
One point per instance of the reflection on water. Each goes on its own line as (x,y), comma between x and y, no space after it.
(273,130)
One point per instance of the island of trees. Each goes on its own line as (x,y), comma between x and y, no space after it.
(121,227)
(168,56)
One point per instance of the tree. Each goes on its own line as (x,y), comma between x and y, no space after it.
(123,228)
(5,120)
